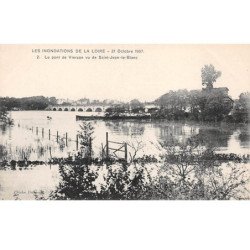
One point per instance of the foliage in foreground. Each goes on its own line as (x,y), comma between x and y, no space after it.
(185,172)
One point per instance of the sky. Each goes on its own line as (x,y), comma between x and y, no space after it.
(158,69)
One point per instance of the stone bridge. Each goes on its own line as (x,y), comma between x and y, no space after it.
(79,108)
(91,108)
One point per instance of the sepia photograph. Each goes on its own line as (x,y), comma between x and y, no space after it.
(124,122)
(124,125)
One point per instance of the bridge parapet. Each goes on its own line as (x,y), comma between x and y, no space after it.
(79,108)
(91,108)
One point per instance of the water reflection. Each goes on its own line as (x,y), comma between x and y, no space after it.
(179,131)
(127,128)
(244,138)
(213,137)
(21,140)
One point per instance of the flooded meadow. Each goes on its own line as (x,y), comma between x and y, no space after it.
(42,135)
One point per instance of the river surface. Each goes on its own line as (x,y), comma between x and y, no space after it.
(29,138)
(30,135)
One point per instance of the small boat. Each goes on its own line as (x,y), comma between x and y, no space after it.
(115,117)
(49,118)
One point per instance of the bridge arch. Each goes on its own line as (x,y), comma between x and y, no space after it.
(66,109)
(54,109)
(60,109)
(80,109)
(73,109)
(98,109)
(89,110)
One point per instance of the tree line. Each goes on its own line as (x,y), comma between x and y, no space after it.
(27,103)
(207,104)
(198,106)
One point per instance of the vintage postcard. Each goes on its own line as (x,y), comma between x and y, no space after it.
(124,122)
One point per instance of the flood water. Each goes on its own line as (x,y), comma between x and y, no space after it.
(35,137)
(30,134)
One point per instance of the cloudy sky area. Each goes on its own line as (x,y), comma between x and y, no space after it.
(159,69)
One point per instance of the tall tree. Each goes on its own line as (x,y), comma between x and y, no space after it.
(173,104)
(136,106)
(209,75)
(218,106)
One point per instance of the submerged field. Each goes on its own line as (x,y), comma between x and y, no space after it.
(35,138)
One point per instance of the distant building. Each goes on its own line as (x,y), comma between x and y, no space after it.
(222,90)
(83,101)
(61,101)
